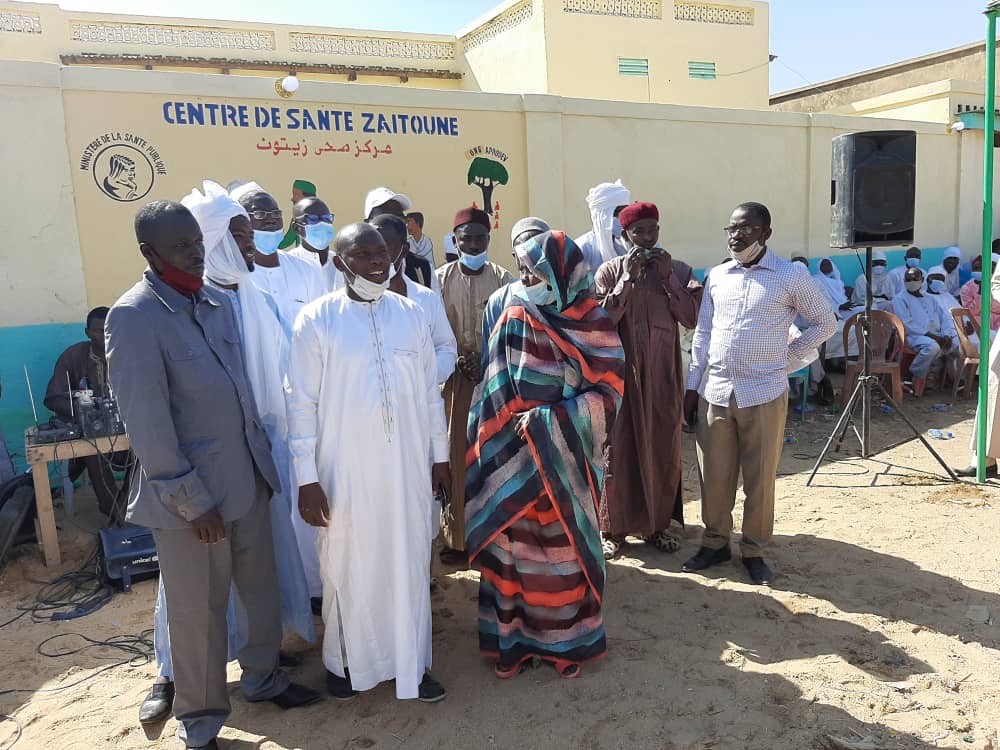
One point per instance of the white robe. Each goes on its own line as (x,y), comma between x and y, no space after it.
(880,285)
(332,279)
(365,413)
(592,253)
(292,285)
(432,306)
(423,248)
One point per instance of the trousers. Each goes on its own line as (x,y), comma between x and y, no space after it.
(196,579)
(731,439)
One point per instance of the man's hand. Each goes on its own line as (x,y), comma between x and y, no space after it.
(209,527)
(662,263)
(691,408)
(943,341)
(635,262)
(846,306)
(313,507)
(441,476)
(521,425)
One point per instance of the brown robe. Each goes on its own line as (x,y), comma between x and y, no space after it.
(465,298)
(642,484)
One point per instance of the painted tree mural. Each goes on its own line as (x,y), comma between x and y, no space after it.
(487,173)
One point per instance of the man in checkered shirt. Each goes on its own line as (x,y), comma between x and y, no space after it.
(740,359)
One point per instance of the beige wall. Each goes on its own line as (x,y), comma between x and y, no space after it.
(513,60)
(696,163)
(40,264)
(583,52)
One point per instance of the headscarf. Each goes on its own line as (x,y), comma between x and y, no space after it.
(832,286)
(527,224)
(564,366)
(602,200)
(558,261)
(265,342)
(946,298)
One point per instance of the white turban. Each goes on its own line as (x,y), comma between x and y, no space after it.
(602,200)
(224,262)
(245,188)
(265,343)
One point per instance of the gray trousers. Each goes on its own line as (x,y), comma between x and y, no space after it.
(197,578)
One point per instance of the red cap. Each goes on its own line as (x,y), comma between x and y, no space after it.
(636,212)
(472,215)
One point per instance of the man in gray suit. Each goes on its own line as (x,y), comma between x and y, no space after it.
(176,368)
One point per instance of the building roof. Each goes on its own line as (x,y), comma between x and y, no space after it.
(872,74)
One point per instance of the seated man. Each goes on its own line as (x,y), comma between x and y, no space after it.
(81,367)
(883,288)
(928,331)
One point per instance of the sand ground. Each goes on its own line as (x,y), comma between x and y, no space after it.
(881,630)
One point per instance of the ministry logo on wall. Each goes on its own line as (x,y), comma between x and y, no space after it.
(486,171)
(124,165)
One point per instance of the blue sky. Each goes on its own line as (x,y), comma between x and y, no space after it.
(814,40)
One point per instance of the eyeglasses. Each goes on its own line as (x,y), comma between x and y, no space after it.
(313,219)
(741,231)
(263,215)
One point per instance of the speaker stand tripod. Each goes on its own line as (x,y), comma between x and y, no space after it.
(862,395)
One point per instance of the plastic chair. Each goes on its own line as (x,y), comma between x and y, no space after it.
(886,349)
(968,369)
(803,377)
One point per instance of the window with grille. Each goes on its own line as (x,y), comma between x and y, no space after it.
(702,70)
(633,66)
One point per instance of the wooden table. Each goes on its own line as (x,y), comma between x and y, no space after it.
(39,455)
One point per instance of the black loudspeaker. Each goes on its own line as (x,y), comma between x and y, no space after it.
(872,195)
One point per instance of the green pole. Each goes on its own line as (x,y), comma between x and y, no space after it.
(984,320)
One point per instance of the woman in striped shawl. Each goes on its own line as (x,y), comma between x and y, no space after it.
(537,429)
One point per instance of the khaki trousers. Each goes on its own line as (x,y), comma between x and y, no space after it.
(731,439)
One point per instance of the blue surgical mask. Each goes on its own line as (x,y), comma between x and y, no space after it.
(540,294)
(878,270)
(472,262)
(977,275)
(936,286)
(319,235)
(616,227)
(267,242)
(913,262)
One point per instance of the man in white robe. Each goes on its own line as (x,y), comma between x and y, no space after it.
(928,332)
(952,259)
(883,287)
(604,241)
(912,260)
(365,420)
(394,233)
(291,281)
(312,220)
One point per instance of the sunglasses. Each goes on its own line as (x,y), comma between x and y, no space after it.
(313,219)
(263,215)
(743,231)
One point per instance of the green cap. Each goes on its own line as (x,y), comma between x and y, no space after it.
(305,186)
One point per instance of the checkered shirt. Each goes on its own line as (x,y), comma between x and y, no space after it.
(741,344)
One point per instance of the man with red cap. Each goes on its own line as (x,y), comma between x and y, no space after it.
(466,285)
(648,295)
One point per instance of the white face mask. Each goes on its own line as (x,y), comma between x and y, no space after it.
(367,290)
(913,286)
(745,256)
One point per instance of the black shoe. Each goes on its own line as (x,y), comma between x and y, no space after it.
(290,659)
(316,603)
(158,703)
(970,471)
(760,574)
(431,691)
(296,696)
(340,687)
(706,558)
(213,745)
